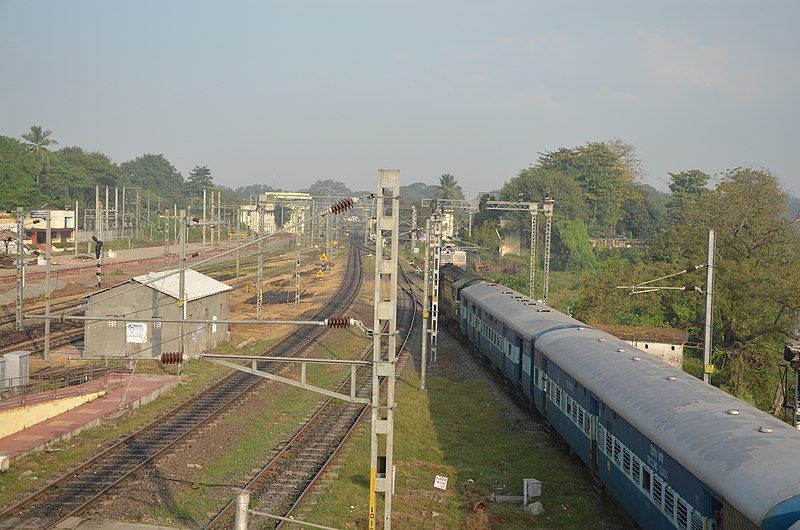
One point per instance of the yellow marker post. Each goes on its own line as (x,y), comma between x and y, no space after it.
(373,472)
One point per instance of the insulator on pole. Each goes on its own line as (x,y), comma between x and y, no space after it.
(172,357)
(690,288)
(337,322)
(343,205)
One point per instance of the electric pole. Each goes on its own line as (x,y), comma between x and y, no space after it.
(20,266)
(384,346)
(260,272)
(436,260)
(182,287)
(204,217)
(297,270)
(47,293)
(423,367)
(534,208)
(708,335)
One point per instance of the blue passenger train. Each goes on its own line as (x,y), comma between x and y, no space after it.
(672,451)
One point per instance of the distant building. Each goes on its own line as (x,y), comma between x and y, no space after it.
(62,227)
(206,299)
(664,343)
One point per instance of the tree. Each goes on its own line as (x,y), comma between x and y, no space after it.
(38,139)
(572,246)
(155,173)
(73,174)
(691,182)
(199,178)
(757,298)
(330,187)
(644,212)
(603,176)
(686,187)
(449,188)
(18,170)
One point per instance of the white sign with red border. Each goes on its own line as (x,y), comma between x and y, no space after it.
(440,482)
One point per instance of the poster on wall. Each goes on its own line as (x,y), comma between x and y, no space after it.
(136,332)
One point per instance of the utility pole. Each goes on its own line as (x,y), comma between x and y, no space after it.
(260,272)
(423,367)
(20,266)
(48,241)
(97,225)
(708,335)
(212,217)
(75,228)
(182,287)
(238,232)
(384,364)
(297,270)
(328,237)
(367,215)
(413,234)
(547,209)
(138,214)
(204,217)
(149,220)
(117,234)
(105,213)
(219,218)
(122,232)
(534,209)
(436,260)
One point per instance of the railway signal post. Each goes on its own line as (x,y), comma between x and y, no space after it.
(384,346)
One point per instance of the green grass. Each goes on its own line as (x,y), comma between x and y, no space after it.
(458,430)
(282,409)
(67,454)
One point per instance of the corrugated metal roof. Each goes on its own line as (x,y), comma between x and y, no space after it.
(197,285)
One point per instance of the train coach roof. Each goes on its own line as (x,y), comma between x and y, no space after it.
(690,420)
(526,317)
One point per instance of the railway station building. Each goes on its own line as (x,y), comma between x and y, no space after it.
(154,296)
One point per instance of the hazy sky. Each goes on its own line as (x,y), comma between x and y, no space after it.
(299,90)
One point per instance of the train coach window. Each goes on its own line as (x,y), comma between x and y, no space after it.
(646,484)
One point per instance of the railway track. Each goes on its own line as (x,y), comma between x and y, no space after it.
(282,484)
(75,491)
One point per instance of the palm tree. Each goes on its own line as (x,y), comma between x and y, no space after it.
(37,141)
(449,188)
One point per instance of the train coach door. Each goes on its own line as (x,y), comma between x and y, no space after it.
(545,384)
(594,412)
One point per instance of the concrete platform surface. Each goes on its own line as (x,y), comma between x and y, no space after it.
(79,523)
(124,391)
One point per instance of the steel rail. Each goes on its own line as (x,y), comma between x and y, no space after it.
(318,421)
(197,406)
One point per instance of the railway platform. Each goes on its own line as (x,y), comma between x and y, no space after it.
(121,391)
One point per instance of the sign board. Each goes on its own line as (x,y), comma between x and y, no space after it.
(40,214)
(440,482)
(213,326)
(136,332)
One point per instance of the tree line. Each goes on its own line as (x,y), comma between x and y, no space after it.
(598,193)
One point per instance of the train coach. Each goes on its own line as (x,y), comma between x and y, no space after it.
(672,451)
